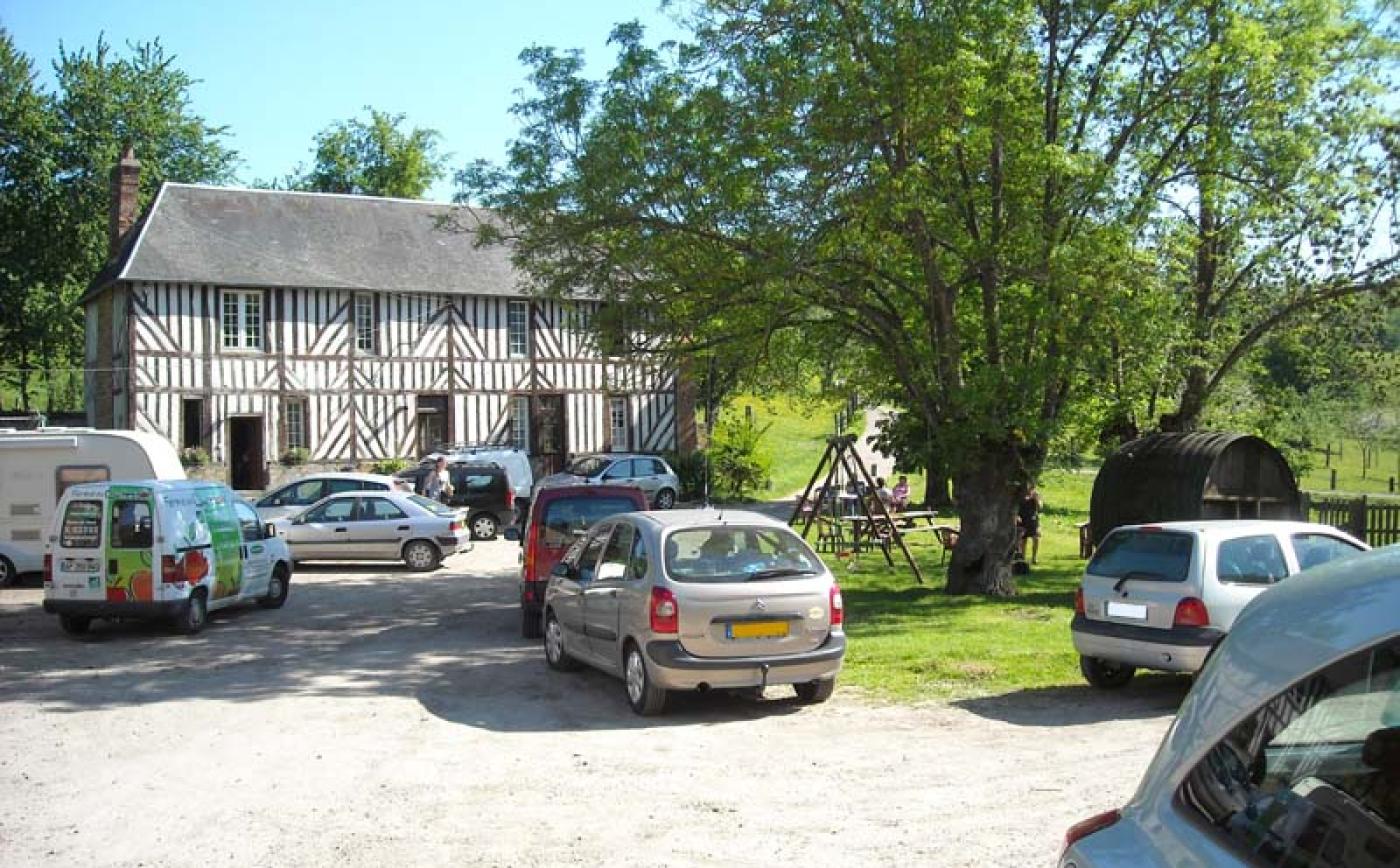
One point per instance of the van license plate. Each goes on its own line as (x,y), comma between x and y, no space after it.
(758,630)
(1135,611)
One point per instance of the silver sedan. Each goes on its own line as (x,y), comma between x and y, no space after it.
(377,526)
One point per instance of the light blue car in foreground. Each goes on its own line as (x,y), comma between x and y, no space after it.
(1286,752)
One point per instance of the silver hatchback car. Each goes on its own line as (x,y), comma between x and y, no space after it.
(1161,596)
(693,600)
(647,472)
(1286,751)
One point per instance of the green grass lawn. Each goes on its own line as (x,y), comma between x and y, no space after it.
(912,642)
(1348,466)
(796,439)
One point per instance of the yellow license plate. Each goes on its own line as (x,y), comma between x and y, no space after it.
(758,630)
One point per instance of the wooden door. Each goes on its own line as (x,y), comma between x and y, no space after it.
(246,464)
(547,449)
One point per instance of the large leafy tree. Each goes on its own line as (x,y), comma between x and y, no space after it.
(373,158)
(58,183)
(941,184)
(1288,186)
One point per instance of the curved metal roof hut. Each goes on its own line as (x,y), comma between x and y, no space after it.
(1200,475)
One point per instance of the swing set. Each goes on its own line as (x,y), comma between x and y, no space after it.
(872,521)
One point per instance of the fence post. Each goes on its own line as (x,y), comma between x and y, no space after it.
(1329,456)
(1358,518)
(1334,479)
(1305,504)
(1392,485)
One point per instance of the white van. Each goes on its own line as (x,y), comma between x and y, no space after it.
(37,466)
(173,550)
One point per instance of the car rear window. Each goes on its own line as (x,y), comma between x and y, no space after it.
(587,466)
(563,517)
(82,525)
(737,554)
(1162,556)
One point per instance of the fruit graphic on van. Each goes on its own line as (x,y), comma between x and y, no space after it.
(194,565)
(142,587)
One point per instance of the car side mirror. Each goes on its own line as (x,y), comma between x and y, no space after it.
(564,570)
(512,534)
(269,530)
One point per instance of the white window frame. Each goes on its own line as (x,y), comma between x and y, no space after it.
(617,412)
(245,302)
(518,329)
(520,422)
(304,440)
(366,325)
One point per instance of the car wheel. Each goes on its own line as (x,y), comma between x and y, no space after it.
(554,652)
(8,574)
(277,588)
(530,623)
(814,692)
(421,555)
(484,526)
(194,614)
(1105,674)
(645,697)
(74,625)
(665,499)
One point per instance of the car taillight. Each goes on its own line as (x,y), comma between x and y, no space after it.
(1079,600)
(48,569)
(1085,828)
(456,527)
(527,566)
(1191,612)
(171,570)
(510,497)
(665,614)
(838,607)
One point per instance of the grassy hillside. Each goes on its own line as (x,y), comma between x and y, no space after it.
(796,436)
(1348,467)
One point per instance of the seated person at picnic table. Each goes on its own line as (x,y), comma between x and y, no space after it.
(899,498)
(883,492)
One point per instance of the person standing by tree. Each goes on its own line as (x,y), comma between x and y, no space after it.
(1028,516)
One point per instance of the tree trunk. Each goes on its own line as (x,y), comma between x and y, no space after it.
(936,495)
(986,498)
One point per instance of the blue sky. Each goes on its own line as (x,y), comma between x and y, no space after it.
(278,72)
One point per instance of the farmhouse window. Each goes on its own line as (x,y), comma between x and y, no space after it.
(520,422)
(518,325)
(242,319)
(294,419)
(617,423)
(191,423)
(364,323)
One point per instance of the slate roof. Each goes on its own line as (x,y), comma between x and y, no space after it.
(271,238)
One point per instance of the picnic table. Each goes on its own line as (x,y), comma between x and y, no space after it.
(864,528)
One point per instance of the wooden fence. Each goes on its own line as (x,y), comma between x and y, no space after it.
(1375,522)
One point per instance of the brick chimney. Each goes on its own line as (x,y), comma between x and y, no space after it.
(126,189)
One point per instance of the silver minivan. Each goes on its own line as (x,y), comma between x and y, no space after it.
(1161,596)
(693,600)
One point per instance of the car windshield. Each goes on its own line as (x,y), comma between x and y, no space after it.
(737,554)
(567,516)
(591,466)
(431,505)
(1148,555)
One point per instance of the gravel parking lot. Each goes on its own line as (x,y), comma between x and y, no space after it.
(388,718)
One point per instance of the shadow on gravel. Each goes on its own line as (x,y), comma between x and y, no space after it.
(448,640)
(1147,696)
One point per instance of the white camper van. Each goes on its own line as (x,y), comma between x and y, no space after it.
(37,466)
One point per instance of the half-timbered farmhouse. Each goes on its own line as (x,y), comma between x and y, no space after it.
(260,325)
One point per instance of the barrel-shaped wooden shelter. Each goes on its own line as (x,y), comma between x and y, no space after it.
(1178,477)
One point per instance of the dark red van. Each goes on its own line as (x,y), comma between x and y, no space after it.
(558,516)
